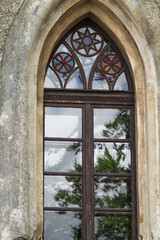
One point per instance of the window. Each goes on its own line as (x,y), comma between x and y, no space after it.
(89,142)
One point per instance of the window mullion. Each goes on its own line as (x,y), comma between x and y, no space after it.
(89,169)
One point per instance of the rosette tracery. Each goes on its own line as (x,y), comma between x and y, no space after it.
(87,59)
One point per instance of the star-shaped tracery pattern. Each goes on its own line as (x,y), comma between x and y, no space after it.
(87,42)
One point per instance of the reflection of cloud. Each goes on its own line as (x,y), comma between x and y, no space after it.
(102,117)
(121,83)
(51,80)
(52,184)
(57,158)
(59,226)
(75,80)
(63,122)
(87,64)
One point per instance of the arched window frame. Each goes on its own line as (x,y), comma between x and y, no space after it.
(110,98)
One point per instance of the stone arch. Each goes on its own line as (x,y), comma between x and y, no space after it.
(22,108)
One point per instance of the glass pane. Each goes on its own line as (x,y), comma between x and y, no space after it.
(112,123)
(112,192)
(63,122)
(75,80)
(99,81)
(112,157)
(51,80)
(60,191)
(63,156)
(62,225)
(121,83)
(113,226)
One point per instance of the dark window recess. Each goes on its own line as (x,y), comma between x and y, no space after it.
(89,140)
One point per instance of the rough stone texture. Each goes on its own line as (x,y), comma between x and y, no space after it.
(18,164)
(147,16)
(8,10)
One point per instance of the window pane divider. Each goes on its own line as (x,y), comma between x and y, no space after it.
(63,139)
(62,209)
(112,140)
(113,174)
(113,209)
(62,174)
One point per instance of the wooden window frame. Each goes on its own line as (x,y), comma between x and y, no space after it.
(98,99)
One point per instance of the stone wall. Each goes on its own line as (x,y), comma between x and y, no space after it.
(25,44)
(8,10)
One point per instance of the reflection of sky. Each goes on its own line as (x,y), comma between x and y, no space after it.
(57,158)
(121,83)
(99,82)
(87,64)
(102,117)
(63,122)
(51,80)
(75,80)
(52,184)
(99,152)
(59,226)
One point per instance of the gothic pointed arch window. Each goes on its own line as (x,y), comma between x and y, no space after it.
(89,139)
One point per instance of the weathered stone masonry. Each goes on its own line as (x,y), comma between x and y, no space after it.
(29,30)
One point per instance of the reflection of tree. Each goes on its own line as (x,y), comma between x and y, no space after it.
(109,163)
(113,227)
(66,197)
(108,226)
(120,127)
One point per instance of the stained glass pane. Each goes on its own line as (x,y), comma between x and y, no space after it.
(62,225)
(112,157)
(86,59)
(113,226)
(86,41)
(63,156)
(110,64)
